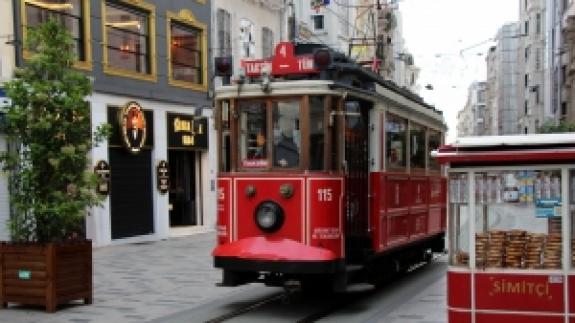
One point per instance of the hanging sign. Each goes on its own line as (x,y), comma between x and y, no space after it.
(187,132)
(133,127)
(102,170)
(163,176)
(284,62)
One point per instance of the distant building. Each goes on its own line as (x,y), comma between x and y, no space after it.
(471,120)
(533,87)
(502,80)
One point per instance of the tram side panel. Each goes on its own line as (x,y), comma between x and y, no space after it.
(418,209)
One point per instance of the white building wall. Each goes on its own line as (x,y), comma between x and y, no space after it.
(98,224)
(267,13)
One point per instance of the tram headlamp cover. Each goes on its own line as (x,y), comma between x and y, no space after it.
(269,216)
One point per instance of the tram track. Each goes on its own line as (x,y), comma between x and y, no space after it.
(248,308)
(318,308)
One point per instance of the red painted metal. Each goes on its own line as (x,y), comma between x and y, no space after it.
(520,292)
(273,249)
(458,316)
(571,285)
(224,203)
(458,290)
(545,156)
(405,208)
(516,318)
(325,204)
(268,189)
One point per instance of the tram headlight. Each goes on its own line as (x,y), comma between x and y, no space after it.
(269,216)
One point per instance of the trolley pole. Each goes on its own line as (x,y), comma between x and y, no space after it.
(291,22)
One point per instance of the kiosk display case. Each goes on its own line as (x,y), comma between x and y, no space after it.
(511,228)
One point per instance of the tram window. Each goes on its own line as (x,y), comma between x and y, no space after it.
(225,153)
(253,134)
(434,141)
(316,133)
(417,146)
(395,134)
(286,134)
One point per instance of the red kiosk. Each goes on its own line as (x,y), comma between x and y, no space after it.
(511,229)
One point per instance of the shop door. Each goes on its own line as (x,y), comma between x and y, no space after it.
(131,193)
(183,188)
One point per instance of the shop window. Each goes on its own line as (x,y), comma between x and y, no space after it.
(416,146)
(316,132)
(518,219)
(187,52)
(253,135)
(129,40)
(459,219)
(396,135)
(286,134)
(70,13)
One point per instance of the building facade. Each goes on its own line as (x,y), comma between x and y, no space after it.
(247,29)
(471,120)
(502,82)
(533,60)
(149,62)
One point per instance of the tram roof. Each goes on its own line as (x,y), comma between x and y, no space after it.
(514,149)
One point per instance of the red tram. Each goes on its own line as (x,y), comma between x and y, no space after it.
(324,175)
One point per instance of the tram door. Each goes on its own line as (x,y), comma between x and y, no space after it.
(356,190)
(182,188)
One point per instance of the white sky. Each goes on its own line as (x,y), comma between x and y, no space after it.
(436,32)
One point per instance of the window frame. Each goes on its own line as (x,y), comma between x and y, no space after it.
(304,153)
(85,21)
(142,6)
(187,19)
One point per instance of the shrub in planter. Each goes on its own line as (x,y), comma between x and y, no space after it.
(51,186)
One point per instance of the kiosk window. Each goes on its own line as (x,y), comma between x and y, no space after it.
(518,219)
(459,217)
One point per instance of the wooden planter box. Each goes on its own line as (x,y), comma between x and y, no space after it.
(45,274)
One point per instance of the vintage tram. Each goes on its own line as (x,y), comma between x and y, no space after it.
(324,173)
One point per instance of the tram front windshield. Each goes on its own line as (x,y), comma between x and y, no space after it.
(272,135)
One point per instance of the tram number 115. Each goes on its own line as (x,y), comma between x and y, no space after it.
(324,195)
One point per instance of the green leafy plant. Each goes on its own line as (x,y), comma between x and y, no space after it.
(551,127)
(49,130)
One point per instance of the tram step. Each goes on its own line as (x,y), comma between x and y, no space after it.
(352,268)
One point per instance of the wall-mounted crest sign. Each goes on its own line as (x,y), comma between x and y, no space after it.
(102,170)
(133,126)
(163,175)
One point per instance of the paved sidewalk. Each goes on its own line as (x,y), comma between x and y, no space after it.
(148,281)
(140,282)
